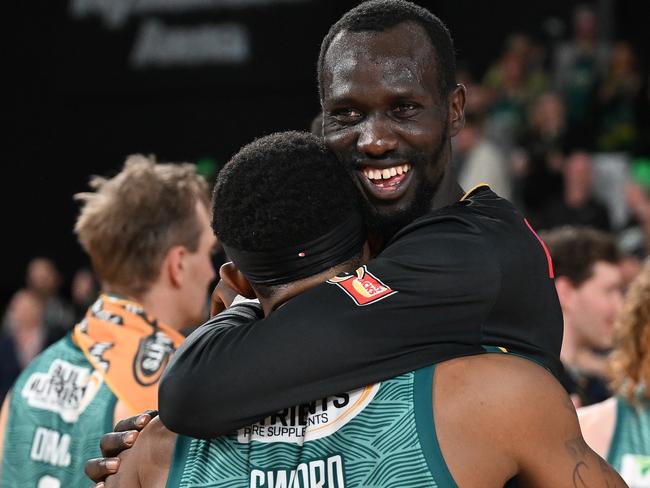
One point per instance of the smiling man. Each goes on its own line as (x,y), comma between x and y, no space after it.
(453,272)
(390,110)
(407,431)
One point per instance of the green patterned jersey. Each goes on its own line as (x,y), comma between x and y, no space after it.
(59,409)
(629,451)
(379,436)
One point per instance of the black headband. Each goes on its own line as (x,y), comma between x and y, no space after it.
(279,266)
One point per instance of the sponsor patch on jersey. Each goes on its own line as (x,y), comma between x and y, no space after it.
(310,421)
(363,287)
(153,355)
(65,389)
(635,470)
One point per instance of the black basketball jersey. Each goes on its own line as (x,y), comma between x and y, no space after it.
(465,276)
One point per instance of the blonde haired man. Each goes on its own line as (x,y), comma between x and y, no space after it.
(147,232)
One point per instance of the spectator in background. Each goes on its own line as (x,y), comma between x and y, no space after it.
(634,238)
(478,97)
(44,280)
(513,83)
(617,98)
(26,337)
(538,176)
(83,292)
(637,196)
(577,204)
(477,160)
(579,65)
(147,232)
(588,283)
(618,429)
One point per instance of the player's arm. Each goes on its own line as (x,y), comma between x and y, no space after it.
(517,421)
(322,342)
(556,454)
(147,462)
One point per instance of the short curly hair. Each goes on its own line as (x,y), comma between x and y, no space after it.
(380,15)
(281,190)
(630,360)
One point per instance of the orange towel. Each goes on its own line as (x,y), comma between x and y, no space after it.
(129,348)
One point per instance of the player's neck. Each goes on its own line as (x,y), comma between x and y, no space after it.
(448,192)
(572,346)
(162,303)
(291,290)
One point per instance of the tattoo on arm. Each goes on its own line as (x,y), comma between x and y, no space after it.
(583,471)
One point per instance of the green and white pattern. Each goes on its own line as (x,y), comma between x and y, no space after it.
(59,409)
(380,436)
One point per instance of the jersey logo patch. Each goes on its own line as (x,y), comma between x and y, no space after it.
(65,389)
(310,421)
(362,286)
(154,352)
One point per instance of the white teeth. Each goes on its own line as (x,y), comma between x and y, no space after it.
(379,174)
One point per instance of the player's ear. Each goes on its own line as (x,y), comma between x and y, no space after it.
(236,280)
(456,112)
(565,291)
(174,264)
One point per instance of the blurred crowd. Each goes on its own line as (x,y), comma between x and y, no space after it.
(39,314)
(562,131)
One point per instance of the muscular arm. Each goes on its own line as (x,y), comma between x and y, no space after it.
(147,463)
(556,454)
(322,342)
(513,419)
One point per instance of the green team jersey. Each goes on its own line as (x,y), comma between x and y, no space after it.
(59,409)
(379,436)
(629,451)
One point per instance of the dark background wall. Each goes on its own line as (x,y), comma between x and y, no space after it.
(80,97)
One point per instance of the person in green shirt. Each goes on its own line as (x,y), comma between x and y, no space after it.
(148,235)
(618,429)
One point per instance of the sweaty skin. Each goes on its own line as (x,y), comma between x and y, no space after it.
(382,107)
(497,417)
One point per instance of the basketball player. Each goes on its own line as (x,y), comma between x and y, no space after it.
(147,232)
(468,269)
(490,420)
